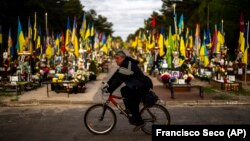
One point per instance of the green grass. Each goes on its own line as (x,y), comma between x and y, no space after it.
(8,94)
(209,90)
(218,94)
(223,97)
(244,92)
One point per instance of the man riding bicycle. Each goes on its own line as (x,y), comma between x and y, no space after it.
(135,85)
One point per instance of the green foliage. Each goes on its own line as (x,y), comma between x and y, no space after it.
(222,97)
(209,90)
(244,92)
(58,11)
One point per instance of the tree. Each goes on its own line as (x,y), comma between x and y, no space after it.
(58,11)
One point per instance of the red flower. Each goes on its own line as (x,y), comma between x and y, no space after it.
(165,77)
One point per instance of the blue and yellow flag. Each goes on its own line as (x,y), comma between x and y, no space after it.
(76,46)
(208,38)
(57,45)
(92,32)
(204,54)
(220,41)
(104,44)
(49,49)
(182,51)
(161,43)
(245,56)
(88,32)
(10,45)
(242,38)
(68,35)
(181,24)
(73,31)
(30,45)
(83,27)
(20,46)
(182,48)
(38,42)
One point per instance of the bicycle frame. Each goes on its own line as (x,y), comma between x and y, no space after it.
(111,99)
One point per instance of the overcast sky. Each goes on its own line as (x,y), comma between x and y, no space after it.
(126,15)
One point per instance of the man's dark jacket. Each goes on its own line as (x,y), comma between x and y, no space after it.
(129,73)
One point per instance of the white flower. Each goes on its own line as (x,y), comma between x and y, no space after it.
(185,76)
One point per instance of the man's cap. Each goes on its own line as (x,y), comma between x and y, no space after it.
(120,53)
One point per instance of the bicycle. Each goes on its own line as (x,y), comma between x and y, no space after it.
(101,118)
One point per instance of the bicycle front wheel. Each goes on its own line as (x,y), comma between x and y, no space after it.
(100,119)
(155,115)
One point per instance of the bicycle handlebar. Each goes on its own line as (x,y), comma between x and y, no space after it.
(104,87)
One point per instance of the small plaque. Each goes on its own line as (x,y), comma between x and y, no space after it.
(13,78)
(248,71)
(181,81)
(240,71)
(52,71)
(208,73)
(202,71)
(231,77)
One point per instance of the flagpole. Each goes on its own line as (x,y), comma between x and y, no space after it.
(222,27)
(46,23)
(35,36)
(46,34)
(175,26)
(247,52)
(207,15)
(1,50)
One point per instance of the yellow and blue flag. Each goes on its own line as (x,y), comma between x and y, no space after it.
(10,45)
(68,35)
(20,46)
(83,27)
(161,43)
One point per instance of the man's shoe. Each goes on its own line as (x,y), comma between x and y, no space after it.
(131,121)
(138,127)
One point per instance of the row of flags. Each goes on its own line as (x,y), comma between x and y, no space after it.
(87,37)
(175,40)
(203,48)
(243,39)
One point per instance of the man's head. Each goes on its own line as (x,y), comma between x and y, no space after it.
(120,57)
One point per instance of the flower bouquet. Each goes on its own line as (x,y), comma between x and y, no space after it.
(188,77)
(165,77)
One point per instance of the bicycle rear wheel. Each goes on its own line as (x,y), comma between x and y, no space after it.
(100,119)
(157,115)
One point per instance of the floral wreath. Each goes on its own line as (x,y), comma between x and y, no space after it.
(167,77)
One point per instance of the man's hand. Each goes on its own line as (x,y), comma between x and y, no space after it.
(105,87)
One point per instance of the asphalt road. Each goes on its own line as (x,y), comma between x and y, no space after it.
(65,122)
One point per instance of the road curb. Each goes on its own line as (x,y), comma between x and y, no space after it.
(207,103)
(167,103)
